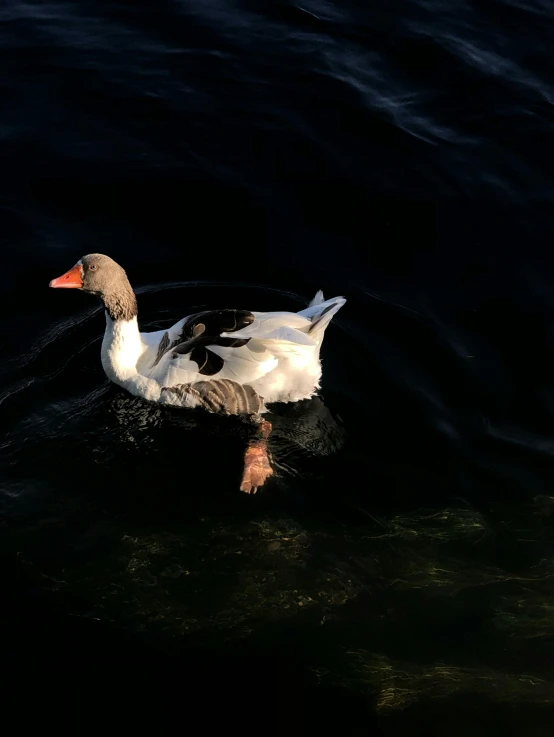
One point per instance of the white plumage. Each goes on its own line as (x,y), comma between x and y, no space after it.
(280,361)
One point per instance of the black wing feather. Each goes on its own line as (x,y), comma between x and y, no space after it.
(216,322)
(204,329)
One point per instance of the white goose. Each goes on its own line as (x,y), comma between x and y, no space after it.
(227,361)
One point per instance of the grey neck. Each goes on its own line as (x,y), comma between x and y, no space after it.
(122,304)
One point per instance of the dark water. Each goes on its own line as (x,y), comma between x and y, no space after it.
(396,577)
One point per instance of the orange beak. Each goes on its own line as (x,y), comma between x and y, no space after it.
(70,280)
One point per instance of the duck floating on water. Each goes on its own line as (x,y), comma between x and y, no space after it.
(233,362)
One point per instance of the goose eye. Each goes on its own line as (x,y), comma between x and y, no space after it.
(93,267)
